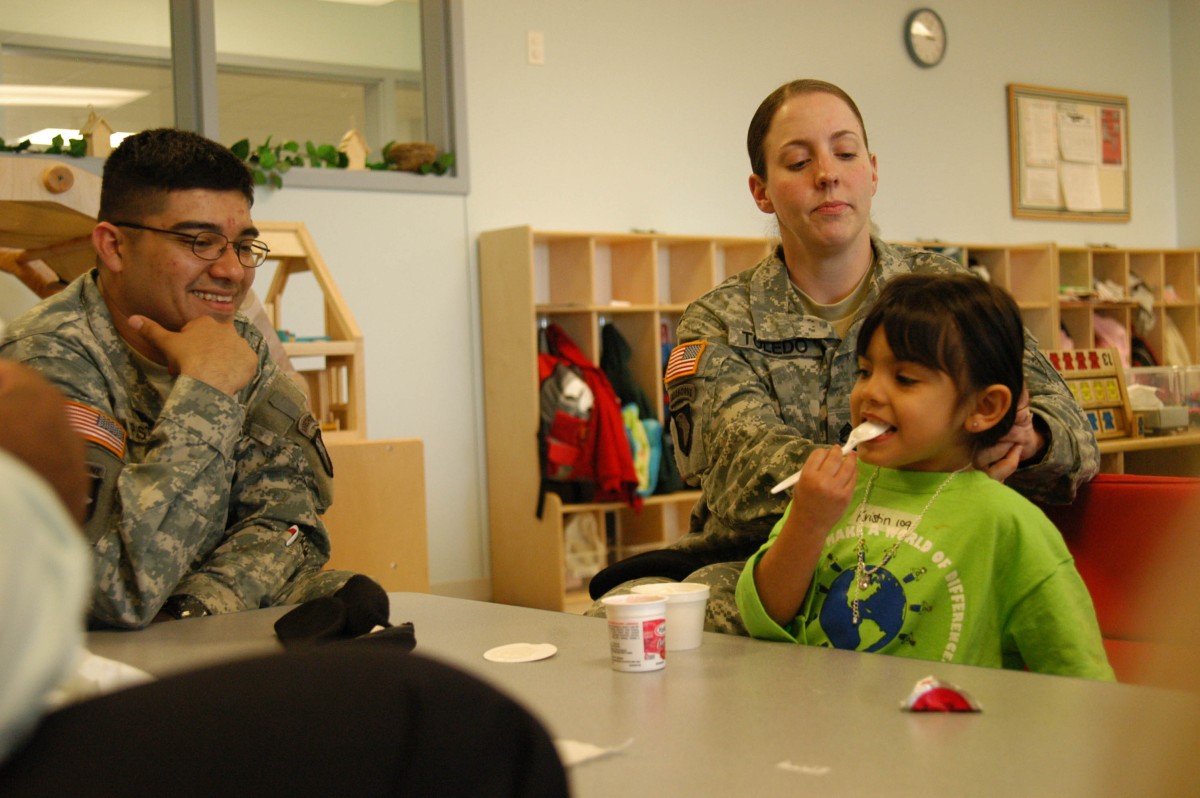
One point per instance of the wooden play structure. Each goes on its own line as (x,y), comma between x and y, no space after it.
(47,211)
(337,389)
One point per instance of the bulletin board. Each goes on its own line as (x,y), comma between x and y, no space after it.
(1069,154)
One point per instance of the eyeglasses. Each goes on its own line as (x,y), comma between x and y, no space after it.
(211,246)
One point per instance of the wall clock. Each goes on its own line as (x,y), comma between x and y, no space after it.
(925,37)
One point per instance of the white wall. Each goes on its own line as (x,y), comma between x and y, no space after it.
(401,262)
(1185,32)
(638,119)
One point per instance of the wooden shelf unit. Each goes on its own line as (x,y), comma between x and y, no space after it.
(1027,271)
(582,280)
(1176,455)
(1170,274)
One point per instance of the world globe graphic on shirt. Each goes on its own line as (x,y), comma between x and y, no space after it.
(882,610)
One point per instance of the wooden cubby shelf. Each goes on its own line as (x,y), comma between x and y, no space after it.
(642,282)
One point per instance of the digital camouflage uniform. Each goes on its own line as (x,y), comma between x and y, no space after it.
(771,383)
(193,495)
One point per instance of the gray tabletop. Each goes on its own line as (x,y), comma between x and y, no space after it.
(746,717)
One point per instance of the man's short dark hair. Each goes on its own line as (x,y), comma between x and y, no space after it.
(146,166)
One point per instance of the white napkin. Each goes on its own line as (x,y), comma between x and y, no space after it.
(572,752)
(1144,397)
(95,676)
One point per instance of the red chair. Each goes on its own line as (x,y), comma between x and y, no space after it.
(1124,531)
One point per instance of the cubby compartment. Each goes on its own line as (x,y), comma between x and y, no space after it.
(570,272)
(1179,278)
(686,270)
(641,331)
(1112,267)
(1149,267)
(1074,273)
(626,273)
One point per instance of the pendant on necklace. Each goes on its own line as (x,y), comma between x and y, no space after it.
(864,583)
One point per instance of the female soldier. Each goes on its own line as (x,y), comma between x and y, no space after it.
(766,361)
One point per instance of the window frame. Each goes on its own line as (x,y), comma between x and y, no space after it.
(194,74)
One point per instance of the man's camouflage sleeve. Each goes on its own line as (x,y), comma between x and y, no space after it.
(735,435)
(273,532)
(1072,456)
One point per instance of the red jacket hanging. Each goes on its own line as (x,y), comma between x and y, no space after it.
(606,459)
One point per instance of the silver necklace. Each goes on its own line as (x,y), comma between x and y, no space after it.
(864,576)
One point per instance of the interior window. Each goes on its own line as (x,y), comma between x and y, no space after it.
(333,67)
(56,68)
(299,70)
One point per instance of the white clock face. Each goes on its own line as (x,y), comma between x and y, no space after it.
(926,37)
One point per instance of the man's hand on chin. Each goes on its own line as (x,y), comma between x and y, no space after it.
(204,349)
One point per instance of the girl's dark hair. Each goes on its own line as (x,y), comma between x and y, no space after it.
(147,166)
(761,121)
(955,323)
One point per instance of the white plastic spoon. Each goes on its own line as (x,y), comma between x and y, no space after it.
(863,432)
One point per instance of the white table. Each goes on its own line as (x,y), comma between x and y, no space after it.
(746,717)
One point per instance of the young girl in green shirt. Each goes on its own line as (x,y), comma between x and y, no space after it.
(904,548)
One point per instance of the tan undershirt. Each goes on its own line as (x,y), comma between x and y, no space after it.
(156,373)
(839,314)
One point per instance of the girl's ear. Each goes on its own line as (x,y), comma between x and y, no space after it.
(989,408)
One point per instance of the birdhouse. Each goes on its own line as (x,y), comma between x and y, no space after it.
(355,147)
(97,134)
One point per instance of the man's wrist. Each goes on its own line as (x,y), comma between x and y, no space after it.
(184,606)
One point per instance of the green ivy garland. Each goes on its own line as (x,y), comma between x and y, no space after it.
(76,148)
(269,162)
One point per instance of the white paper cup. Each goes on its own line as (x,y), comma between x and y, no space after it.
(637,631)
(686,602)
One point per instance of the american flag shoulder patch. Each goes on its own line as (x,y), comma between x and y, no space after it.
(684,360)
(97,427)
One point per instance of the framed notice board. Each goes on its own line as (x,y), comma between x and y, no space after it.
(1068,154)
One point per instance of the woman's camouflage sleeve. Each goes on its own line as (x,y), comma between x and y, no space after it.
(1072,456)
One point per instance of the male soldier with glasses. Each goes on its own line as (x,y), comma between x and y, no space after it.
(208,470)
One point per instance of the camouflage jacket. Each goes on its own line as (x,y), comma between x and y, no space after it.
(772,382)
(192,495)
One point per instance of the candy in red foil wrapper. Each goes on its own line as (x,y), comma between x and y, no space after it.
(934,695)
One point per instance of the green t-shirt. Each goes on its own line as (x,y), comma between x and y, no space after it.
(984,579)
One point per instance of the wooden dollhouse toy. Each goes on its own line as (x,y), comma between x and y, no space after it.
(337,389)
(97,135)
(356,149)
